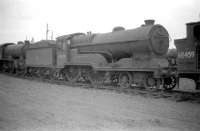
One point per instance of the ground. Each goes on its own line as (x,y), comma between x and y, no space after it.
(35,106)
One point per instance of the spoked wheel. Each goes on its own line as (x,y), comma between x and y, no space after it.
(12,68)
(34,72)
(49,73)
(56,75)
(153,83)
(97,78)
(150,82)
(125,80)
(45,73)
(27,71)
(159,83)
(114,79)
(169,83)
(72,74)
(42,72)
(85,75)
(30,71)
(20,72)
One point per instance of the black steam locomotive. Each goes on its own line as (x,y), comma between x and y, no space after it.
(124,58)
(188,59)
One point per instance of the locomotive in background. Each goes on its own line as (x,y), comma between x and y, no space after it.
(188,59)
(124,58)
(12,56)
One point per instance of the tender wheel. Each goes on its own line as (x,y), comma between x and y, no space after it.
(125,80)
(56,75)
(159,84)
(29,72)
(169,83)
(20,71)
(150,82)
(153,83)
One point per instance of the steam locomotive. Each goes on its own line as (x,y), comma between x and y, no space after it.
(124,58)
(188,59)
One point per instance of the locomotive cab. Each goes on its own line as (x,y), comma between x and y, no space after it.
(197,41)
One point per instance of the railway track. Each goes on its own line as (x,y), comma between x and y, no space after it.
(174,95)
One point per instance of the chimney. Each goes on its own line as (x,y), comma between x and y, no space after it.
(149,22)
(27,42)
(89,33)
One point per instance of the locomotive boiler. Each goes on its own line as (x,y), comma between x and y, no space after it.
(149,39)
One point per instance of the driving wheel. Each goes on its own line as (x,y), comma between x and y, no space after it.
(169,83)
(125,80)
(72,74)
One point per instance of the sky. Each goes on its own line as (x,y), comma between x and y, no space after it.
(27,19)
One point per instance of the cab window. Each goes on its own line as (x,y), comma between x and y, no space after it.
(197,32)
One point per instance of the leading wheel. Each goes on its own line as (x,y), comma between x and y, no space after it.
(125,80)
(169,83)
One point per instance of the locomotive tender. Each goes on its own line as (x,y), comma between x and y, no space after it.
(125,58)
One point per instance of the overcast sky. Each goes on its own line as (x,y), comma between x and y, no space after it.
(27,18)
